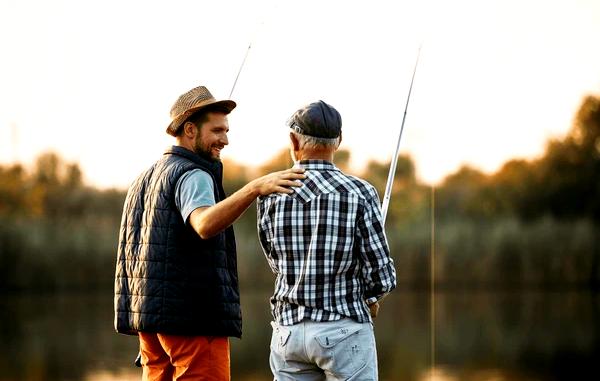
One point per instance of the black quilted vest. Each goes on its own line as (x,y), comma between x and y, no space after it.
(169,280)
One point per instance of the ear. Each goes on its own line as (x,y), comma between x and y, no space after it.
(295,142)
(189,129)
(340,140)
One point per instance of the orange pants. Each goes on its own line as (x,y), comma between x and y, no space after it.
(169,357)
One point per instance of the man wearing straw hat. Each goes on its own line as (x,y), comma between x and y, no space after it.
(327,247)
(176,282)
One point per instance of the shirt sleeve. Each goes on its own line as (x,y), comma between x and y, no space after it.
(262,223)
(378,270)
(193,190)
(265,230)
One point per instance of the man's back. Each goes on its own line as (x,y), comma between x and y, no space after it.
(164,270)
(326,244)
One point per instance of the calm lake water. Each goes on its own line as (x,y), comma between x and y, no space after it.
(477,336)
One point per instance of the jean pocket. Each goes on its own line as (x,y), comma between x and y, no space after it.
(344,351)
(331,339)
(279,338)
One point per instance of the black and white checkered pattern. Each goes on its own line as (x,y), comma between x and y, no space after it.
(326,244)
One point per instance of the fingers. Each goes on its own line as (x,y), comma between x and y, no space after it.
(277,185)
(290,183)
(280,182)
(287,181)
(283,190)
(289,178)
(374,309)
(284,186)
(293,174)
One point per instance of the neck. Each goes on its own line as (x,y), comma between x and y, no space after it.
(315,154)
(184,143)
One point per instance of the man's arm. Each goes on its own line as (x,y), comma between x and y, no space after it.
(210,220)
(378,270)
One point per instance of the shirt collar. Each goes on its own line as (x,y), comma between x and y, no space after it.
(316,165)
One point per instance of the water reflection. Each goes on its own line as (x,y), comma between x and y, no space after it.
(478,336)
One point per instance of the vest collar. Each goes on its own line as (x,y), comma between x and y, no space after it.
(216,167)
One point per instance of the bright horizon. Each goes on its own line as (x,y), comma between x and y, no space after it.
(95,82)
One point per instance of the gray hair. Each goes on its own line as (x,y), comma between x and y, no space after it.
(315,142)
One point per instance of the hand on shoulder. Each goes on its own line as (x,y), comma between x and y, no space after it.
(279,182)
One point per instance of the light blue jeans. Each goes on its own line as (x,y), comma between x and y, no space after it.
(336,350)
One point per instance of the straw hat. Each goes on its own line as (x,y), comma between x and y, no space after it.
(192,101)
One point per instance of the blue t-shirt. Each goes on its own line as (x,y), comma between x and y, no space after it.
(193,190)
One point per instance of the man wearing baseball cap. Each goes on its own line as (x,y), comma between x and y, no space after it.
(176,282)
(327,247)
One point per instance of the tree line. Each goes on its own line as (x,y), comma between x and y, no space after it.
(532,223)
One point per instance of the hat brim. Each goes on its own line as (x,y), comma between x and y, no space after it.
(227,104)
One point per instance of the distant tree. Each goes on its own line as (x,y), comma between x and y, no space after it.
(12,183)
(73,176)
(569,173)
(235,176)
(408,197)
(377,173)
(342,160)
(511,189)
(47,168)
(563,183)
(282,160)
(462,193)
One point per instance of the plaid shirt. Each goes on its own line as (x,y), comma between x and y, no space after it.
(326,244)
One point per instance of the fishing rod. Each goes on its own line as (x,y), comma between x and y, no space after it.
(390,181)
(240,70)
(256,31)
(386,204)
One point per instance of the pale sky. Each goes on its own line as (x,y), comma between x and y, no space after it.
(95,80)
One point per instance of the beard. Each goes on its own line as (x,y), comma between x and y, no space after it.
(205,152)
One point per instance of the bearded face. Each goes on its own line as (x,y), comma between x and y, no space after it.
(211,137)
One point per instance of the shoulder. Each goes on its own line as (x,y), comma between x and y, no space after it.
(360,186)
(197,174)
(195,178)
(273,198)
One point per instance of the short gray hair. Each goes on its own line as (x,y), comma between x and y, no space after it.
(315,142)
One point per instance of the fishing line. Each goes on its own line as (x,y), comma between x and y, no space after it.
(432,284)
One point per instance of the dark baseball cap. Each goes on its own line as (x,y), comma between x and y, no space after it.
(317,119)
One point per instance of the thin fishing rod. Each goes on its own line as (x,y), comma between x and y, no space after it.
(240,70)
(392,173)
(262,23)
